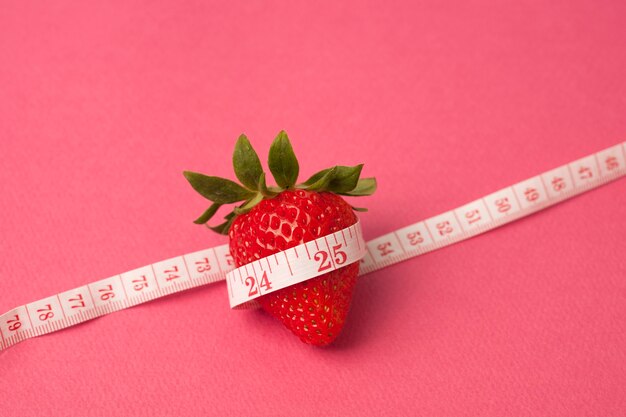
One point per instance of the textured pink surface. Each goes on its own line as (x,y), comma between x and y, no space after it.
(103,105)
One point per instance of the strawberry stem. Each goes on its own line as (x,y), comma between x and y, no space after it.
(283,165)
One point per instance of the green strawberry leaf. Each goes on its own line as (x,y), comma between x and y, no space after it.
(249,204)
(314,178)
(206,216)
(246,163)
(282,161)
(365,186)
(262,187)
(361,209)
(223,228)
(345,179)
(284,166)
(218,190)
(322,182)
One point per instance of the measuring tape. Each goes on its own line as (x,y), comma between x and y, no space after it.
(216,264)
(305,261)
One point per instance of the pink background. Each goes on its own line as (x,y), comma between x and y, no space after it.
(104,104)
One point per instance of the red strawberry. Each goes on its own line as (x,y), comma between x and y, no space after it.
(315,309)
(273,219)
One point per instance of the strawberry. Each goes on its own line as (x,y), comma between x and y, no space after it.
(272,219)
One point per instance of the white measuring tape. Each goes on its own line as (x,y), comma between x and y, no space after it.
(305,261)
(211,265)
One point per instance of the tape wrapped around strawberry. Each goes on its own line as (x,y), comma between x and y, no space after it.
(270,219)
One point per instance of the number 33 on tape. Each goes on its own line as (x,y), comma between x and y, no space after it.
(294,265)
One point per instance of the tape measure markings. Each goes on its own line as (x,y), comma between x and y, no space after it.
(430,234)
(210,265)
(326,258)
(108,295)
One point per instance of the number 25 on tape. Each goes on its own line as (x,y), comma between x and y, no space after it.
(339,257)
